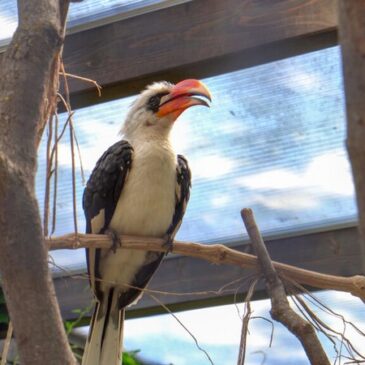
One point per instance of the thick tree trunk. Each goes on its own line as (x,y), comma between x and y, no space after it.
(27,90)
(352,38)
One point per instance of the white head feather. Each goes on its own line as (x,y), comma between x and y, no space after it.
(141,121)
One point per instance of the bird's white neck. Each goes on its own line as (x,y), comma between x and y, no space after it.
(152,137)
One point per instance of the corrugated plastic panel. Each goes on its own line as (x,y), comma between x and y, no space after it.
(273,140)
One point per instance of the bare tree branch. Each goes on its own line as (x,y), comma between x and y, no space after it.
(352,39)
(217,254)
(280,308)
(28,74)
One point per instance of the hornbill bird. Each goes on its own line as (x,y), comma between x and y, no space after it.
(139,186)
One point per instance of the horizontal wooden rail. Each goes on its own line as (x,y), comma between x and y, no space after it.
(195,39)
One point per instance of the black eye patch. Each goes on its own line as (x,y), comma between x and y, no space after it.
(154,102)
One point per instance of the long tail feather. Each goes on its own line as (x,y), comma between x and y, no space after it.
(103,346)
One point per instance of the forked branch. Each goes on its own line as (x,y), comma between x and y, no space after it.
(281,310)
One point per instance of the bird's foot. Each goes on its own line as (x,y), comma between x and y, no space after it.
(168,244)
(116,242)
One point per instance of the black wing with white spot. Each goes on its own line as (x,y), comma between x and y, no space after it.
(106,183)
(182,194)
(101,196)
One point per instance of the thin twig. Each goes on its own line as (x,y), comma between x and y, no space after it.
(73,170)
(55,177)
(9,334)
(313,322)
(251,277)
(332,335)
(52,262)
(98,87)
(314,300)
(72,146)
(48,177)
(69,121)
(217,254)
(245,321)
(62,133)
(328,331)
(182,325)
(272,327)
(281,310)
(240,279)
(80,158)
(118,284)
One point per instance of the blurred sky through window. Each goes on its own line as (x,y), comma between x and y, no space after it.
(218,330)
(273,140)
(161,340)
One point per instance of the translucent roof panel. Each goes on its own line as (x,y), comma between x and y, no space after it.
(8,20)
(97,10)
(85,14)
(273,140)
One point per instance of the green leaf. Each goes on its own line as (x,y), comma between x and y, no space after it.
(68,326)
(4,318)
(2,297)
(129,358)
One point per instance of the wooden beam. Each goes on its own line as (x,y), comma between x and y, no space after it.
(333,252)
(195,39)
(207,68)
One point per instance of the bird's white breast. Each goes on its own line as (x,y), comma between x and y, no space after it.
(147,202)
(145,207)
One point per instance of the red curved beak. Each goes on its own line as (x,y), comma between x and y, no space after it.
(182,96)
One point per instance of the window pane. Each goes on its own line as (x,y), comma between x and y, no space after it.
(8,20)
(273,140)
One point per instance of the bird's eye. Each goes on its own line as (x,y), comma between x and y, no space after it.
(154,103)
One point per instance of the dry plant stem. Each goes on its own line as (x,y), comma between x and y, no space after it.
(72,145)
(74,204)
(55,176)
(80,160)
(98,87)
(245,321)
(281,310)
(27,93)
(9,334)
(183,326)
(48,178)
(331,333)
(352,39)
(61,134)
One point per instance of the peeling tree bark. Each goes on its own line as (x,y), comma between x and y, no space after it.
(352,39)
(27,92)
